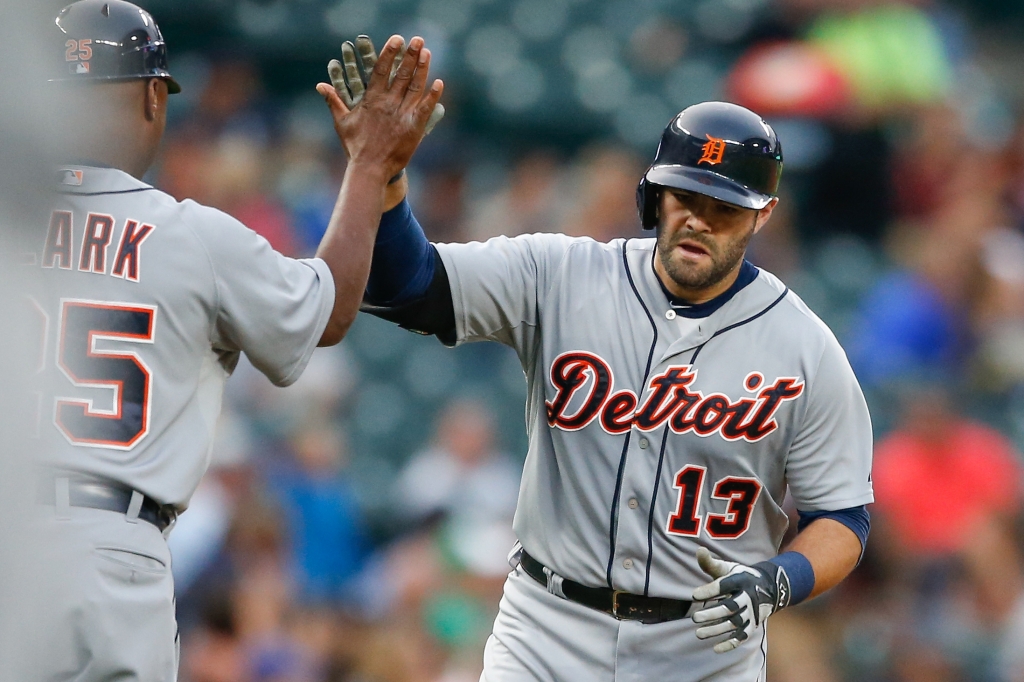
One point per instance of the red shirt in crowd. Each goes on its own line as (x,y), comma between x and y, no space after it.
(934,491)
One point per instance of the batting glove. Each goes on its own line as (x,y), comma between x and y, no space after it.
(743,597)
(351,77)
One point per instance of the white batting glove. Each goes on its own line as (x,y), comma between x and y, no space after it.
(351,75)
(743,598)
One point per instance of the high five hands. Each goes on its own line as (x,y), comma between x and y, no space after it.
(385,109)
(351,77)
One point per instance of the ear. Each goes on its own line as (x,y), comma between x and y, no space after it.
(764,214)
(155,99)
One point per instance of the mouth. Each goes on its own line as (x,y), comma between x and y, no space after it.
(692,249)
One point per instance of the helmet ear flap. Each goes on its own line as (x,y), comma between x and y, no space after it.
(647,200)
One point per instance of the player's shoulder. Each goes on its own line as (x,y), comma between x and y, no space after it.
(552,249)
(792,315)
(137,198)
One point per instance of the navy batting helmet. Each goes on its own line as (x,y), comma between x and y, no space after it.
(718,149)
(110,40)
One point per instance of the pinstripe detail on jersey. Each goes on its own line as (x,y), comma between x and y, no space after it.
(613,524)
(650,516)
(750,319)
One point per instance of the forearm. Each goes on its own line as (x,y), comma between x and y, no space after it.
(347,245)
(832,549)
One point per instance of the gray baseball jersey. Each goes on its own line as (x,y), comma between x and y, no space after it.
(147,304)
(649,437)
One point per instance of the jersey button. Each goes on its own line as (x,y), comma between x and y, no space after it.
(633,504)
(670,315)
(627,564)
(644,443)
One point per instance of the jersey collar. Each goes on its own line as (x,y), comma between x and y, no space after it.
(750,298)
(748,273)
(89,179)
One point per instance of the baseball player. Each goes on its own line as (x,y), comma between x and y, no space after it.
(146,305)
(675,392)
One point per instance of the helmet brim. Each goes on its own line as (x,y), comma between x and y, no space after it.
(709,183)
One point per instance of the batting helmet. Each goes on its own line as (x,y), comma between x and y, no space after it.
(110,40)
(718,149)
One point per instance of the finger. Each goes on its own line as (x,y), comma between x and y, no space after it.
(367,53)
(418,81)
(714,613)
(726,646)
(708,591)
(382,68)
(709,631)
(436,114)
(403,77)
(716,568)
(337,73)
(355,79)
(333,98)
(429,106)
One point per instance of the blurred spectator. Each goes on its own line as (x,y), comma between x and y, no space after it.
(605,197)
(939,477)
(324,523)
(212,652)
(461,475)
(904,328)
(533,201)
(237,185)
(891,52)
(440,204)
(999,315)
(200,532)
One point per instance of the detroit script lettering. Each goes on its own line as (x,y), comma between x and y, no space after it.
(669,398)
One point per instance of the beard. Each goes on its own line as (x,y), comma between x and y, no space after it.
(689,275)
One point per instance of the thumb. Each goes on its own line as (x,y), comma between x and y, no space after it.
(333,100)
(716,568)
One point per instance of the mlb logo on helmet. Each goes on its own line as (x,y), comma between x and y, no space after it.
(713,150)
(81,67)
(71,176)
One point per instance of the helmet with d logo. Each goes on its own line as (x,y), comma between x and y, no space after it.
(718,149)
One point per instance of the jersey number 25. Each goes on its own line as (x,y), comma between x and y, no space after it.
(83,326)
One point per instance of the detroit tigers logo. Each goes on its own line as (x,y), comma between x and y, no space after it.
(584,386)
(713,151)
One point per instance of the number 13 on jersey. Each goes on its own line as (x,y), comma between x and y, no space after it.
(87,332)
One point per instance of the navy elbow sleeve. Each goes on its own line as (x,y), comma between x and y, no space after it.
(857,519)
(402,266)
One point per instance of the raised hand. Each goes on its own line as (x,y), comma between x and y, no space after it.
(381,123)
(351,75)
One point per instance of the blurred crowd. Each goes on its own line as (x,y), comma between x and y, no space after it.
(355,526)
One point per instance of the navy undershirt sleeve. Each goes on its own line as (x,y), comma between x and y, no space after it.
(857,519)
(402,266)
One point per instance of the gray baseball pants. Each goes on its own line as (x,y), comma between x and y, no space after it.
(539,637)
(98,601)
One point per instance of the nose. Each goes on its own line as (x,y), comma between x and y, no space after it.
(696,223)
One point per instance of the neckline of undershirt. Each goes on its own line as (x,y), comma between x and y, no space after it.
(748,273)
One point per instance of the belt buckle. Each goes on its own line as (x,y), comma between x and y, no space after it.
(615,603)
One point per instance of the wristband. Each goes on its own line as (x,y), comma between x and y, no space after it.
(800,573)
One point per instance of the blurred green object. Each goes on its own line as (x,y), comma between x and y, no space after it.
(891,54)
(455,619)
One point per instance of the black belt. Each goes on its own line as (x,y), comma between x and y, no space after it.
(94,494)
(621,605)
